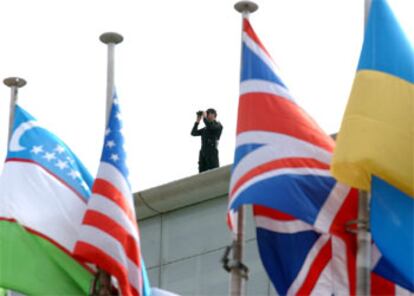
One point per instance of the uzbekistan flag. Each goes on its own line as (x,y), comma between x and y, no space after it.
(43,193)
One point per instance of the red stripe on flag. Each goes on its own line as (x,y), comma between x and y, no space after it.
(109,191)
(279,164)
(107,263)
(380,286)
(249,30)
(271,213)
(315,270)
(267,112)
(106,224)
(348,212)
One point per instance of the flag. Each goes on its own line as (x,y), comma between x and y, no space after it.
(382,268)
(392,227)
(43,193)
(282,157)
(302,261)
(109,235)
(375,143)
(376,135)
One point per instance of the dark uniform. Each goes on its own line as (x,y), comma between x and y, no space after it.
(210,134)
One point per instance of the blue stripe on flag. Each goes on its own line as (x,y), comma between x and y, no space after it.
(244,150)
(387,50)
(255,68)
(301,196)
(284,254)
(387,271)
(40,146)
(392,224)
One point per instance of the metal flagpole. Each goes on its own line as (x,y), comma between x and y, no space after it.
(364,234)
(14,83)
(238,271)
(110,39)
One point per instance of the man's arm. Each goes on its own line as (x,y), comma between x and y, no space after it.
(195,131)
(214,127)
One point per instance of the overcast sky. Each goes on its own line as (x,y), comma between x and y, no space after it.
(178,57)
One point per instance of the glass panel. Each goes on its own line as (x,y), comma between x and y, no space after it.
(203,275)
(150,231)
(200,275)
(153,275)
(195,230)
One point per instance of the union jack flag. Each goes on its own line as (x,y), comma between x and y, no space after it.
(109,235)
(302,261)
(282,157)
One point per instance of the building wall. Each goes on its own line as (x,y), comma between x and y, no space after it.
(182,248)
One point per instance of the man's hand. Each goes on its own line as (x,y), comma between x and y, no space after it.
(199,118)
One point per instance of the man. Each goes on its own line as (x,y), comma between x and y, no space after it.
(210,134)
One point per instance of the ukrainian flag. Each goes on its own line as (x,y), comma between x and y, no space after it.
(376,136)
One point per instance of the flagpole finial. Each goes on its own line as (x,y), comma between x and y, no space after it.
(14,82)
(246,6)
(111,37)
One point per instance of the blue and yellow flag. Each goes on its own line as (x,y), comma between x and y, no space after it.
(376,135)
(376,138)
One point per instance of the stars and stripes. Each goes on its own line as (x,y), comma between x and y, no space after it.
(109,235)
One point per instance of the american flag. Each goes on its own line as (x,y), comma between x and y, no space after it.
(109,235)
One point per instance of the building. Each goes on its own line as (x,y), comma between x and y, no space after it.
(184,235)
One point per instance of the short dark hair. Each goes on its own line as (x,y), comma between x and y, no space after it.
(212,111)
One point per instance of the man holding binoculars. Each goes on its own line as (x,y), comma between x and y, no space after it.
(210,135)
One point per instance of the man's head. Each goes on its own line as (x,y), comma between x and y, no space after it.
(211,114)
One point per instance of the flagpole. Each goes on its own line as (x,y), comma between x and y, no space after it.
(110,39)
(364,234)
(14,83)
(238,271)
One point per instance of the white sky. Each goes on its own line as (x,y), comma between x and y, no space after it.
(178,57)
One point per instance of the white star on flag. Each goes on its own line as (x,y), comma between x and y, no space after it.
(49,156)
(114,157)
(118,116)
(37,149)
(74,174)
(107,131)
(71,161)
(110,144)
(59,149)
(61,164)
